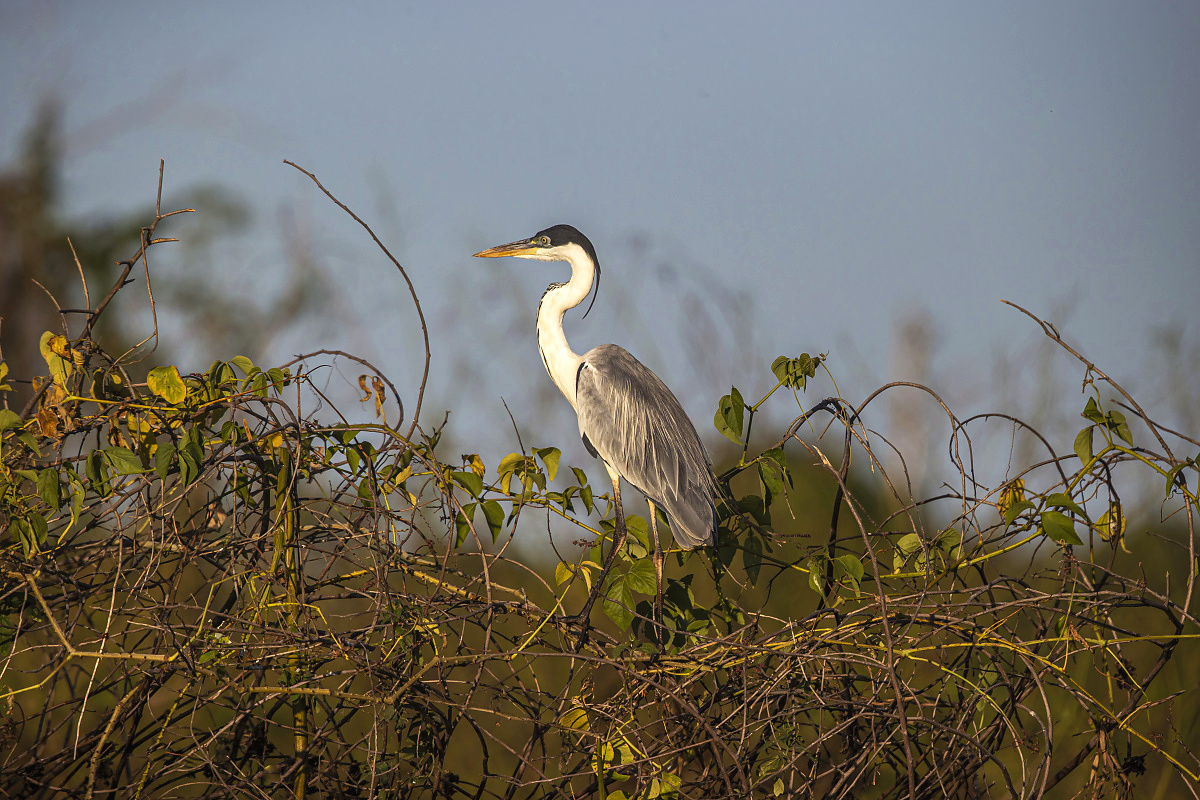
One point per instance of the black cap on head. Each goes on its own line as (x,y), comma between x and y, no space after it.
(569,234)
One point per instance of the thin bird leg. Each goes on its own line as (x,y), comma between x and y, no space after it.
(658,567)
(618,540)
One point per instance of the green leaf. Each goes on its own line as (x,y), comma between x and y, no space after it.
(1015,510)
(243,363)
(777,455)
(9,419)
(639,531)
(1059,527)
(729,417)
(97,473)
(1175,478)
(772,481)
(279,377)
(549,457)
(1083,445)
(166,383)
(495,517)
(795,372)
(462,524)
(1063,500)
(618,603)
(49,487)
(23,533)
(641,578)
(816,572)
(123,460)
(469,481)
(164,459)
(1116,423)
(1092,412)
(665,786)
(848,566)
(752,557)
(908,544)
(507,467)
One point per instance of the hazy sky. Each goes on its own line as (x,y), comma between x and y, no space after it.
(835,165)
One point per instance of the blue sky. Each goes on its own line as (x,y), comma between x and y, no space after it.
(833,168)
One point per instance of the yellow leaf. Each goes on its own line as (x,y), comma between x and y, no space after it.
(166,383)
(60,366)
(475,463)
(576,718)
(1012,493)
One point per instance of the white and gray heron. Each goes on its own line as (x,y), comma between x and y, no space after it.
(627,416)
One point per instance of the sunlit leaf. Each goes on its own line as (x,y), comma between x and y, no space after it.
(641,578)
(167,384)
(469,481)
(123,460)
(1083,444)
(639,535)
(1111,524)
(618,603)
(575,718)
(908,544)
(549,457)
(1012,493)
(243,363)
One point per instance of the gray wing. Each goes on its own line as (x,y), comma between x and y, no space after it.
(629,418)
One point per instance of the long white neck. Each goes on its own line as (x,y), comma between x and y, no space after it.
(561,361)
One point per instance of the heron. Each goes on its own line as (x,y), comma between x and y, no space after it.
(628,418)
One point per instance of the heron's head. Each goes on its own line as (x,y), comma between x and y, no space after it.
(557,243)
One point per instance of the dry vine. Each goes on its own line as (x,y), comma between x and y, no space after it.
(210,590)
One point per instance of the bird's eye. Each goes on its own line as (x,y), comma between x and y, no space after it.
(545,240)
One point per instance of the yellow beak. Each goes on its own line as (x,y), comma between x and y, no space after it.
(525,247)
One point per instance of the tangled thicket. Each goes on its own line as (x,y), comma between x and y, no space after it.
(209,589)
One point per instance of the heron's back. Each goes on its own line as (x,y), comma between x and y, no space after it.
(629,418)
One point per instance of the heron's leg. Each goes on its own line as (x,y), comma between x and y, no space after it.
(658,566)
(618,539)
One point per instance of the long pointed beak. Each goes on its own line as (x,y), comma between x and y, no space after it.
(525,247)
